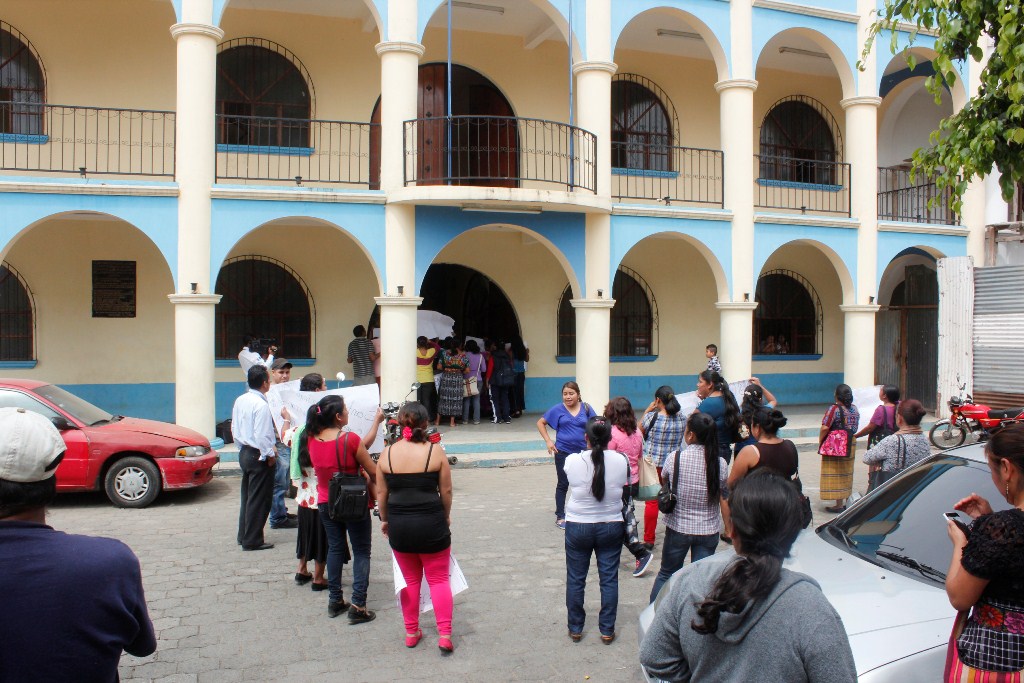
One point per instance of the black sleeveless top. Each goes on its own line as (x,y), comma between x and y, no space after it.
(416,519)
(781,457)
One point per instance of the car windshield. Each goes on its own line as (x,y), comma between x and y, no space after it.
(901,527)
(81,410)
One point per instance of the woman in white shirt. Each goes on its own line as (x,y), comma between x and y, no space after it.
(594,526)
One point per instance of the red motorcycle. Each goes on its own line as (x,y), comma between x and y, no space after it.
(966,416)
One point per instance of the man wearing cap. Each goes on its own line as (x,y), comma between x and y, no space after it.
(281,372)
(253,430)
(71,604)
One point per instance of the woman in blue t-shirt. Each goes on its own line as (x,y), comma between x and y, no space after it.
(718,402)
(569,420)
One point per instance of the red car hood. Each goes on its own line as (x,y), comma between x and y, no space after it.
(164,429)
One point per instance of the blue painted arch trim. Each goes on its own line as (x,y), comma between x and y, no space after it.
(892,245)
(838,245)
(713,14)
(843,35)
(379,8)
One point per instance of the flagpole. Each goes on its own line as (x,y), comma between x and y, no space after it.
(448,105)
(572,118)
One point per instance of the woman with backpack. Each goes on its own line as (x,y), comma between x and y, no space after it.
(569,420)
(837,470)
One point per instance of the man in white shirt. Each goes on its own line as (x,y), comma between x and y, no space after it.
(254,354)
(281,372)
(253,430)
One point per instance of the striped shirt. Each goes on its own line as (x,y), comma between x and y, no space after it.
(662,435)
(359,351)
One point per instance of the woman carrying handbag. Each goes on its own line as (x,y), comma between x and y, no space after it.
(837,447)
(627,439)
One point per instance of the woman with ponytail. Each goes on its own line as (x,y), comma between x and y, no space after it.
(594,526)
(718,401)
(741,616)
(414,491)
(693,526)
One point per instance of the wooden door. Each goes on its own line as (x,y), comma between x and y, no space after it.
(431,105)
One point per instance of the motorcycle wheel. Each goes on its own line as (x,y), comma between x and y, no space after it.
(945,435)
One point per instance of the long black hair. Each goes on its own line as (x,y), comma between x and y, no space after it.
(770,420)
(766,519)
(844,395)
(668,399)
(732,409)
(599,433)
(314,381)
(702,426)
(414,416)
(323,414)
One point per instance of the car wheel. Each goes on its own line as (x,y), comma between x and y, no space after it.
(132,482)
(945,435)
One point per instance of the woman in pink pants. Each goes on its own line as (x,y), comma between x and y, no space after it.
(414,491)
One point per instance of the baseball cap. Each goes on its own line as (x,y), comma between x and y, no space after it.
(280,364)
(30,446)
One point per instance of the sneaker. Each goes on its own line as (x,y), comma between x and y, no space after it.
(360,615)
(508,422)
(642,564)
(560,523)
(476,422)
(336,608)
(286,524)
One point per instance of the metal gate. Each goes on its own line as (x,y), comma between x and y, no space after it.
(906,338)
(998,331)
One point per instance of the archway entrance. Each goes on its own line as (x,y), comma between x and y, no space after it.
(481,142)
(907,334)
(477,304)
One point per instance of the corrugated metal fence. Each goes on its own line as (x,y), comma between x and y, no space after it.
(998,336)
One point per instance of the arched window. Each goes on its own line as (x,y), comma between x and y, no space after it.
(642,127)
(800,141)
(264,95)
(634,319)
(22,84)
(265,298)
(787,319)
(17,322)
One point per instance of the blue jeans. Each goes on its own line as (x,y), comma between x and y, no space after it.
(359,536)
(471,402)
(562,487)
(673,554)
(603,539)
(278,512)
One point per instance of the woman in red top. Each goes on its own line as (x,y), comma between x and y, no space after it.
(332,450)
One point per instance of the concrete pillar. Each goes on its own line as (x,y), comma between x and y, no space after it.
(195,167)
(737,130)
(593,329)
(594,114)
(399,74)
(858,333)
(397,345)
(862,155)
(736,320)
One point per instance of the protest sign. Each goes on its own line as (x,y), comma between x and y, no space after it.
(362,403)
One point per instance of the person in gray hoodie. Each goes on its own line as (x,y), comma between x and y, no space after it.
(741,616)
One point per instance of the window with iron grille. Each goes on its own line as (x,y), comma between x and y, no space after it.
(17,319)
(264,95)
(788,318)
(634,318)
(642,125)
(263,298)
(22,84)
(800,142)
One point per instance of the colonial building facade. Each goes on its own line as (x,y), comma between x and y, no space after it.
(619,182)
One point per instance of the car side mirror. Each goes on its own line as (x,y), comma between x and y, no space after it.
(61,423)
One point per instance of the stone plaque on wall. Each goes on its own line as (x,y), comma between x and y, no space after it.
(113,289)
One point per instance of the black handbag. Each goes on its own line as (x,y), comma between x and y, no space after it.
(880,476)
(667,495)
(348,499)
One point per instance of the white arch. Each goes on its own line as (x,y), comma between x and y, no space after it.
(849,294)
(843,68)
(721,280)
(714,46)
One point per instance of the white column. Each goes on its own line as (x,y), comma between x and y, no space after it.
(594,114)
(862,155)
(859,332)
(397,345)
(399,74)
(736,321)
(737,131)
(195,163)
(593,329)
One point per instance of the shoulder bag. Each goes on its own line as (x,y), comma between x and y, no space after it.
(837,442)
(883,430)
(471,388)
(667,495)
(650,483)
(880,476)
(348,499)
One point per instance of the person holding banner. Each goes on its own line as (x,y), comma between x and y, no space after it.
(414,492)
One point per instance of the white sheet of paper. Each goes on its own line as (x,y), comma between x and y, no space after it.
(455,577)
(866,399)
(361,402)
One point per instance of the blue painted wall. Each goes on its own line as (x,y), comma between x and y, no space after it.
(153,401)
(714,14)
(768,237)
(770,22)
(893,244)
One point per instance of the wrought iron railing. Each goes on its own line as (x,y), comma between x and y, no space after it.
(665,173)
(501,151)
(54,138)
(900,199)
(293,150)
(803,185)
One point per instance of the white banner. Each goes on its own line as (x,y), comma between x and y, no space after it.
(362,403)
(455,577)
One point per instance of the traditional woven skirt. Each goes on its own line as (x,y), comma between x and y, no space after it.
(958,672)
(451,393)
(836,477)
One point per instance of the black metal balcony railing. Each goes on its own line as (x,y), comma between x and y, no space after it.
(53,138)
(293,150)
(499,151)
(666,173)
(900,199)
(804,185)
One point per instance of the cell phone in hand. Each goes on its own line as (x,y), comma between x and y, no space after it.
(956,519)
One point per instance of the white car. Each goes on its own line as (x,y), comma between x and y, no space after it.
(883,563)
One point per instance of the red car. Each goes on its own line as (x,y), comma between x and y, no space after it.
(129,458)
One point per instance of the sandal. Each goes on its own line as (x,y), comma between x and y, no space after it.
(445,645)
(303,579)
(575,637)
(413,639)
(836,509)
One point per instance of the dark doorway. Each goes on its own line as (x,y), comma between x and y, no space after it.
(907,337)
(477,304)
(484,142)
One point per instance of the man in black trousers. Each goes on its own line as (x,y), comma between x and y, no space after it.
(253,430)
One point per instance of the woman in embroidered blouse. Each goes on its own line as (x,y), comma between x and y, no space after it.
(837,471)
(907,446)
(627,439)
(986,573)
(662,427)
(453,379)
(693,527)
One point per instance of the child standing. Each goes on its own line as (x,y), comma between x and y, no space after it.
(711,352)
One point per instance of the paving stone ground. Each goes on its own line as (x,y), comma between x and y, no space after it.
(225,615)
